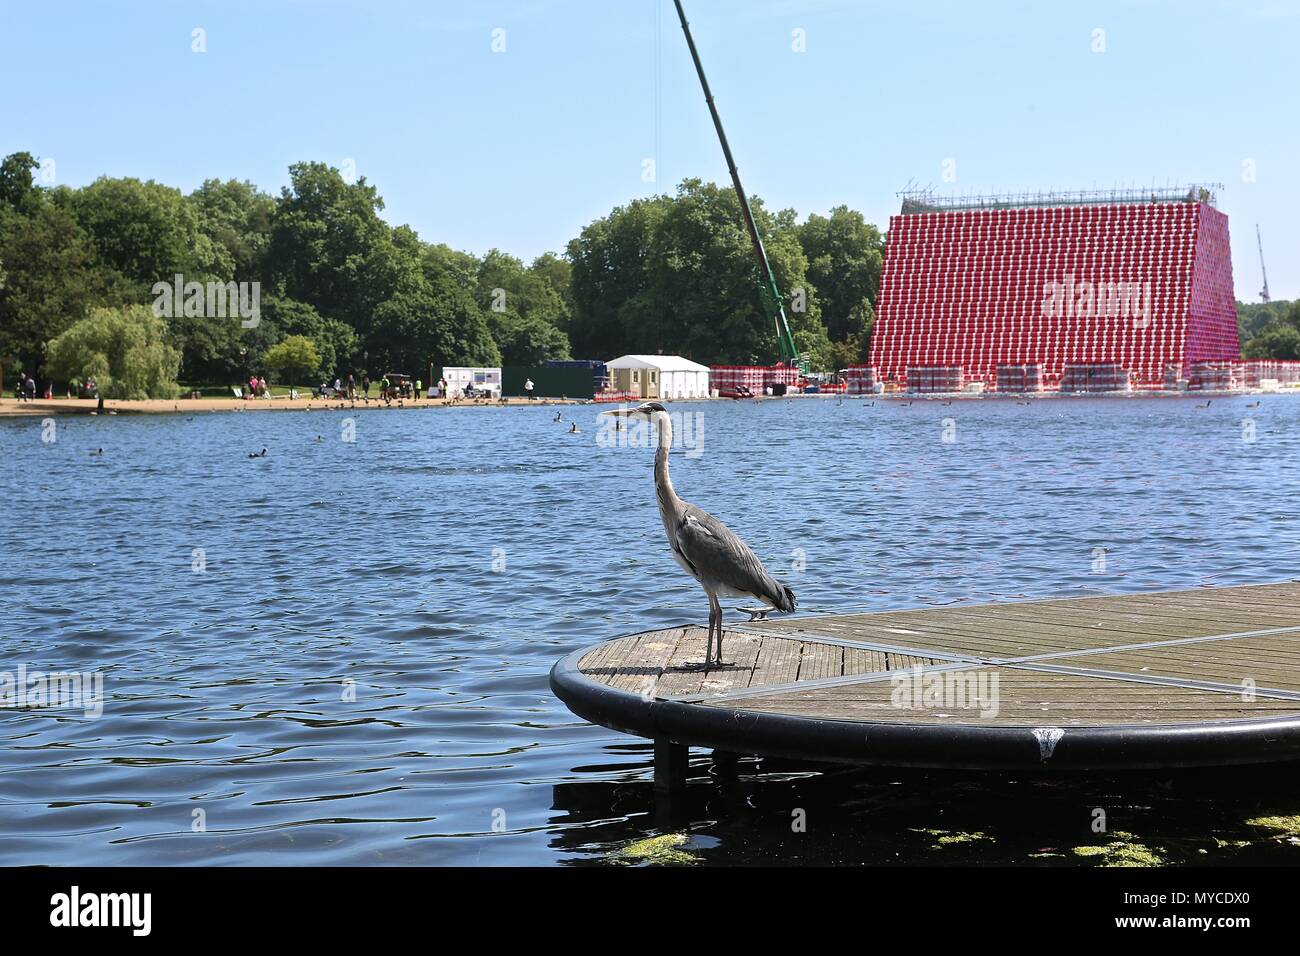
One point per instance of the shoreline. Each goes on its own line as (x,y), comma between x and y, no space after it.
(183,406)
(11,407)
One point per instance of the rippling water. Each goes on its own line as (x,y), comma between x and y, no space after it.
(438,565)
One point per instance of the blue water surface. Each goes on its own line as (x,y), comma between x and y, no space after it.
(338,653)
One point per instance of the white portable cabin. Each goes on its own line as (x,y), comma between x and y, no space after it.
(484,379)
(659,376)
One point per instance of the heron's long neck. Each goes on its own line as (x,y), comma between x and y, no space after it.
(663,482)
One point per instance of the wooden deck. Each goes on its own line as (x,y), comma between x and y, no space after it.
(1221,658)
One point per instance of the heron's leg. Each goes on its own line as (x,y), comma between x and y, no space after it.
(720,661)
(708,654)
(718,607)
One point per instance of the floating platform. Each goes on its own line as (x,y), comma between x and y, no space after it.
(1204,677)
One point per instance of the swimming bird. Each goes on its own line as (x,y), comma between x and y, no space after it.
(575,430)
(706,548)
(557,418)
(97,452)
(1252,405)
(261,454)
(1206,405)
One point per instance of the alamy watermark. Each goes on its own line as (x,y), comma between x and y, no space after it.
(915,689)
(619,432)
(1073,298)
(53,690)
(209,300)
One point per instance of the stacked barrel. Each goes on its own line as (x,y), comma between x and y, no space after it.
(934,379)
(1211,377)
(756,378)
(860,380)
(1094,377)
(1281,371)
(780,375)
(1019,378)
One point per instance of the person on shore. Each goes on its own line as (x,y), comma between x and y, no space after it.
(261,387)
(365,386)
(528,388)
(352,387)
(419,385)
(30,387)
(384,386)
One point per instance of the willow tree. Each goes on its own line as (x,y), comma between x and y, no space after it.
(123,350)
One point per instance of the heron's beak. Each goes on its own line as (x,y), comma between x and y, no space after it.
(619,412)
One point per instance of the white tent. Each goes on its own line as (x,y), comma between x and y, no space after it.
(660,376)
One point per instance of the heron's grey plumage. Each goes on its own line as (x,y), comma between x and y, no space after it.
(720,558)
(706,548)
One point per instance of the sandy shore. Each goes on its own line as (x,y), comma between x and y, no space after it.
(87,406)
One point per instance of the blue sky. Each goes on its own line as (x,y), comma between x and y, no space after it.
(520,149)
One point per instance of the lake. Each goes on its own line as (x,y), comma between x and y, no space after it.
(338,653)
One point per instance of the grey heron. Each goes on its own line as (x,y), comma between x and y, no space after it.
(706,548)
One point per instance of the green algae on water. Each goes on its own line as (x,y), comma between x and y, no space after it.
(662,850)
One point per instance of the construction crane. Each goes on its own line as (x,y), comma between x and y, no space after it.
(769,293)
(1264,293)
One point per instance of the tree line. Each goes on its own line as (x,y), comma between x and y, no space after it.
(1269,330)
(342,291)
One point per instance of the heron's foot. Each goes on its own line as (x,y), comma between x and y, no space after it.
(720,663)
(693,666)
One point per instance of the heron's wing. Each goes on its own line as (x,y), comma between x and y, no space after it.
(719,556)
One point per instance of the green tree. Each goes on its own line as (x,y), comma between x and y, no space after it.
(845,254)
(524,311)
(18,190)
(295,357)
(237,218)
(51,279)
(123,349)
(144,231)
(330,249)
(559,273)
(527,340)
(1280,338)
(432,324)
(678,274)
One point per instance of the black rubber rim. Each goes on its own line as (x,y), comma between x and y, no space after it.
(954,746)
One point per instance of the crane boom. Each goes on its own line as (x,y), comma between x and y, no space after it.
(1263,294)
(769,292)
